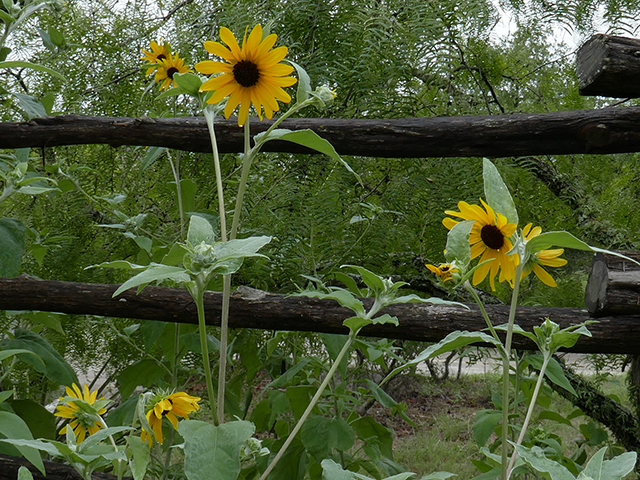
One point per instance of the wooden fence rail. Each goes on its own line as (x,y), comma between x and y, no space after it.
(611,130)
(252,308)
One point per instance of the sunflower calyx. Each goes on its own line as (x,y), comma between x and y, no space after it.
(200,258)
(322,97)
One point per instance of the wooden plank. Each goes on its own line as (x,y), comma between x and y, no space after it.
(613,287)
(609,66)
(257,309)
(611,130)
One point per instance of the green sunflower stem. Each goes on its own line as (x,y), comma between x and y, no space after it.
(506,359)
(485,315)
(209,115)
(346,348)
(247,160)
(224,335)
(532,404)
(198,296)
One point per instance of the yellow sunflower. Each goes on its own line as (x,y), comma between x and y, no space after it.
(490,238)
(81,422)
(252,74)
(167,68)
(156,55)
(444,271)
(548,258)
(178,404)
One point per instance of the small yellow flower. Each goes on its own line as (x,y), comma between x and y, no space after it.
(547,258)
(167,68)
(490,238)
(156,55)
(252,74)
(178,404)
(80,422)
(444,271)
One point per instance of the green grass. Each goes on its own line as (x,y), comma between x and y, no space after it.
(444,438)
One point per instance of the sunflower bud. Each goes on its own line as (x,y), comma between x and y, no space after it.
(323,96)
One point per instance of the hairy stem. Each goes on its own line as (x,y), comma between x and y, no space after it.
(198,296)
(346,348)
(505,370)
(532,404)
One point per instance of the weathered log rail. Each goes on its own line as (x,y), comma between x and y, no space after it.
(611,130)
(257,309)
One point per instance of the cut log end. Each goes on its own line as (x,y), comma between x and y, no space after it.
(609,66)
(613,287)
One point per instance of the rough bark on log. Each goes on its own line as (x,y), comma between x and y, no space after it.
(612,130)
(55,471)
(613,287)
(609,66)
(257,309)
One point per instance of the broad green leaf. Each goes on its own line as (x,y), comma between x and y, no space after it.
(200,230)
(24,473)
(383,319)
(343,297)
(497,193)
(4,395)
(53,449)
(12,239)
(320,435)
(143,373)
(373,281)
(304,83)
(189,83)
(355,324)
(450,342)
(334,471)
(433,300)
(349,282)
(240,248)
(153,154)
(553,372)
(310,139)
(438,476)
(119,264)
(93,440)
(213,451)
(47,359)
(13,427)
(15,351)
(48,319)
(154,273)
(539,462)
(334,343)
(6,18)
(458,248)
(287,377)
(139,457)
(41,422)
(35,190)
(618,467)
(370,431)
(558,239)
(31,105)
(32,66)
(57,38)
(554,416)
(486,422)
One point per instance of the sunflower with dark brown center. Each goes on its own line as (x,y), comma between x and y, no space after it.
(490,238)
(252,74)
(167,68)
(157,53)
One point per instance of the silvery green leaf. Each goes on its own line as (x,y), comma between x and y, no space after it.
(497,193)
